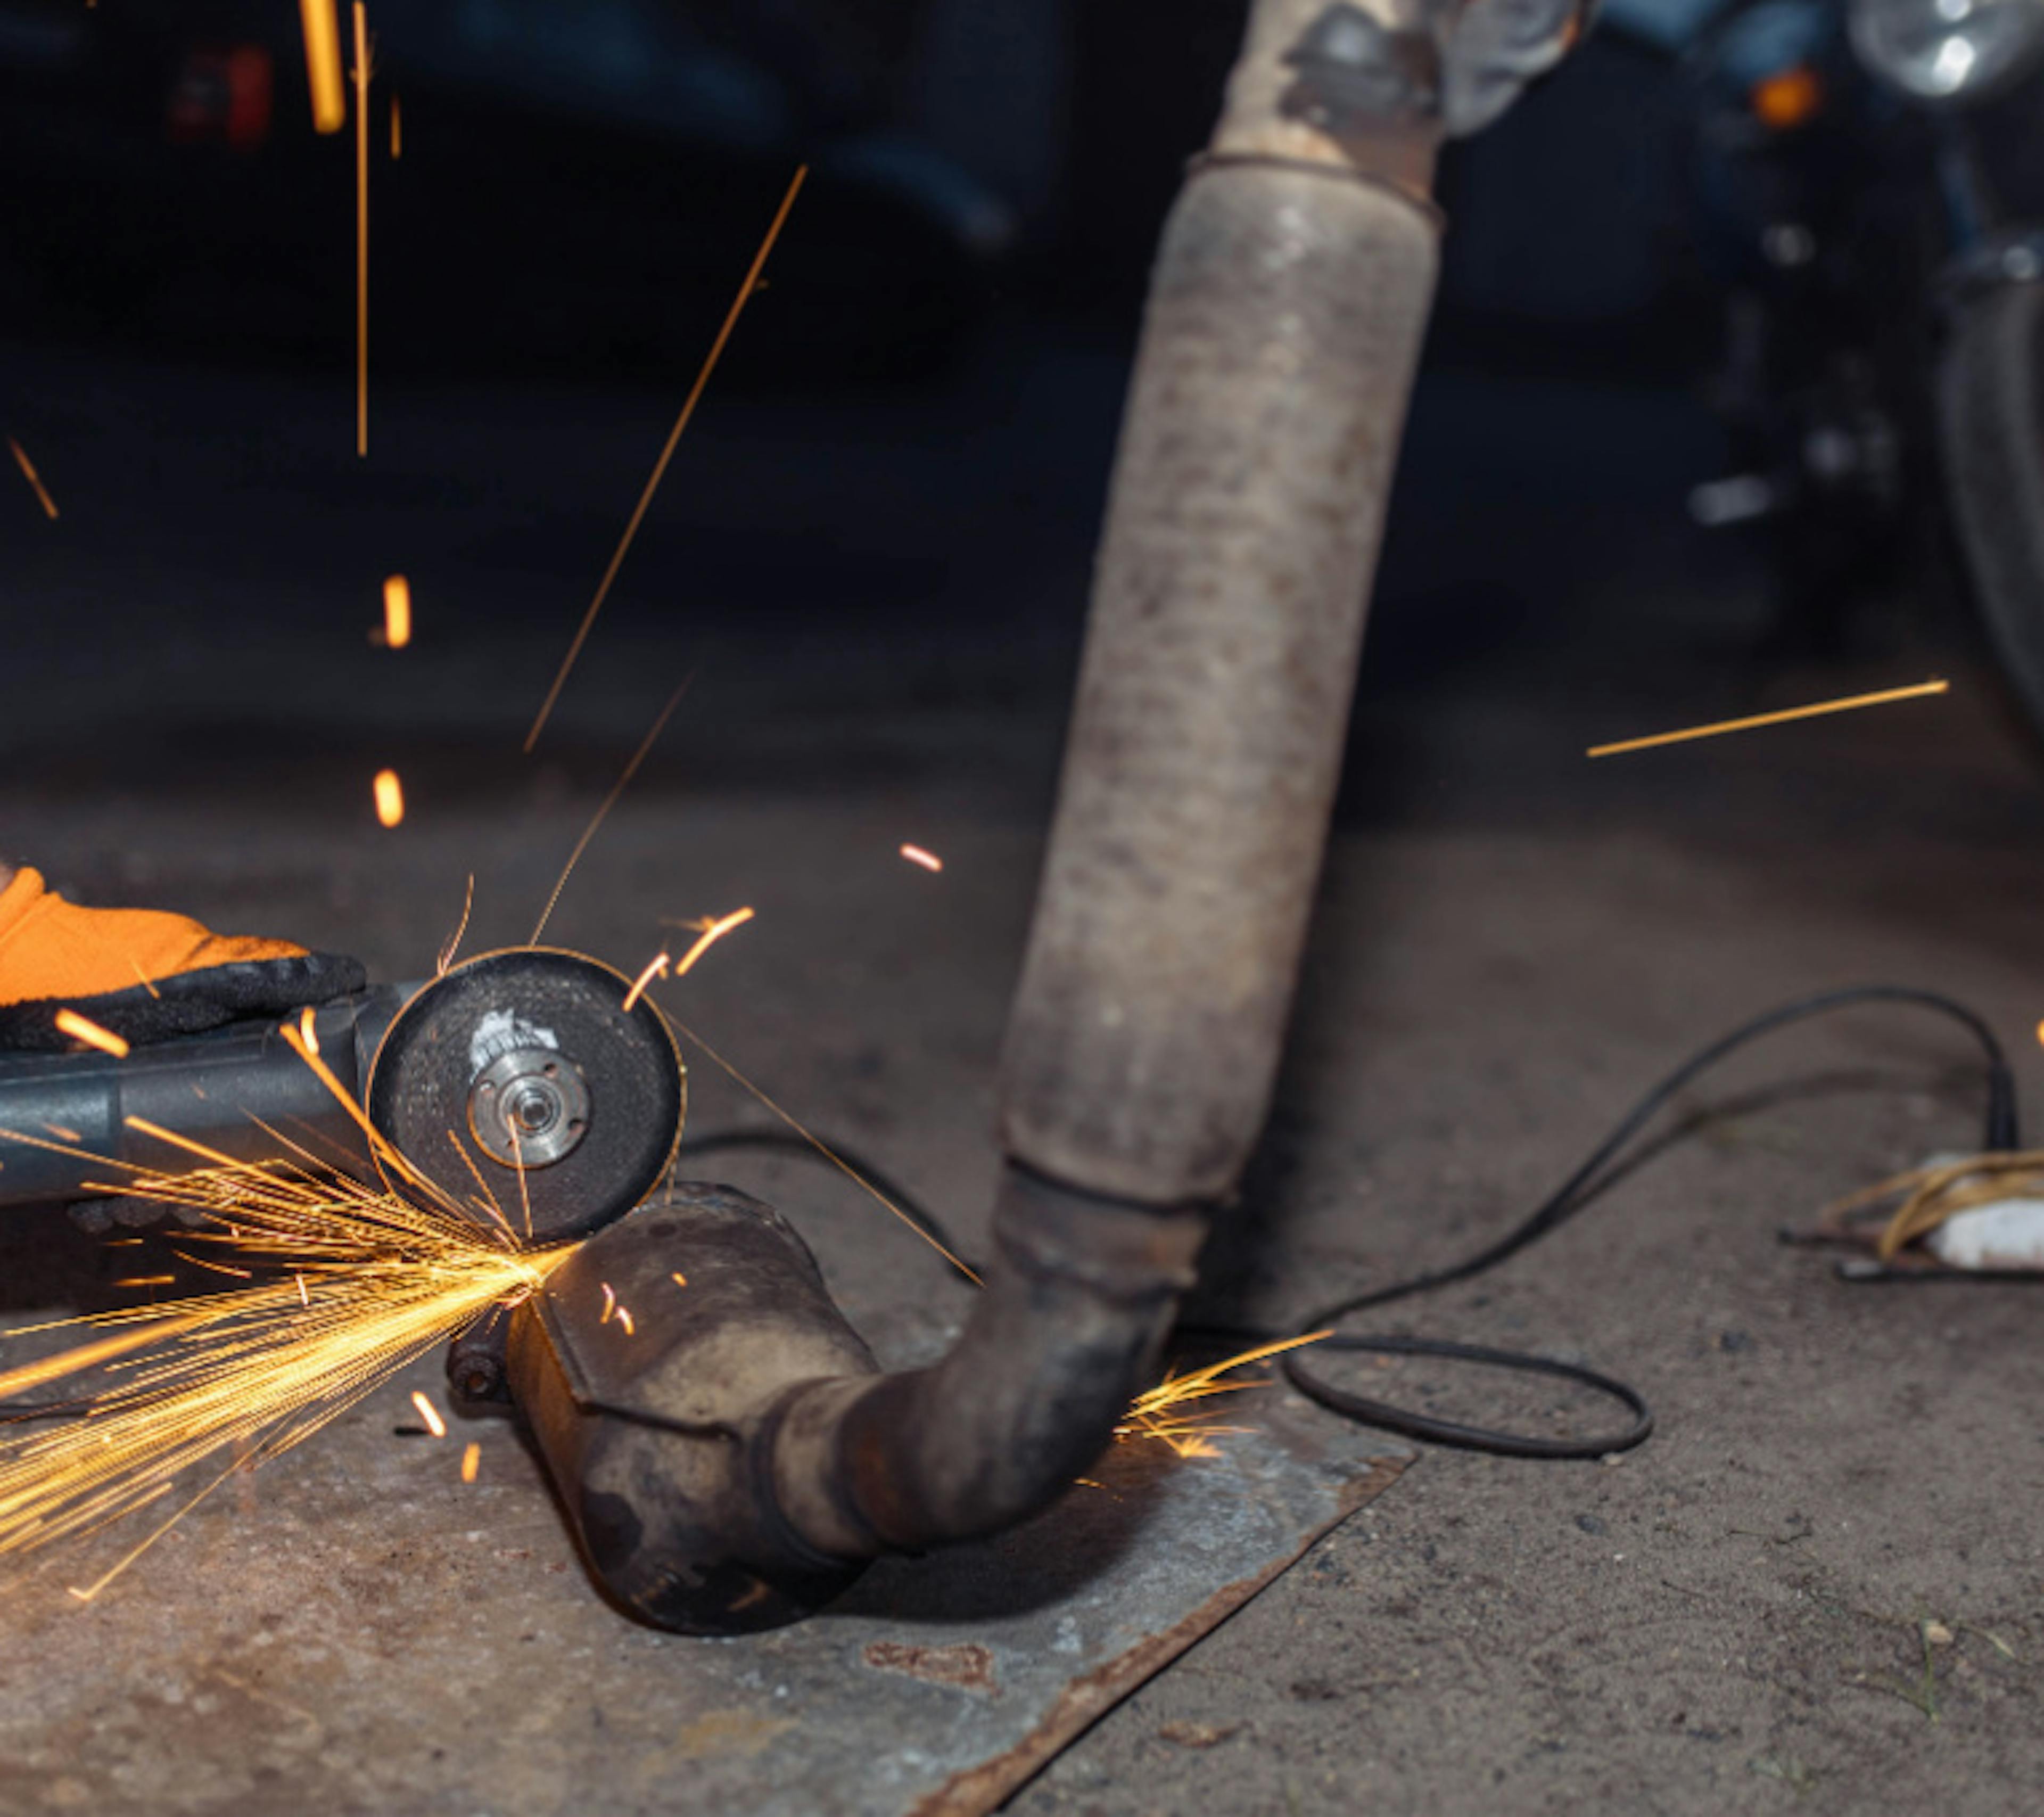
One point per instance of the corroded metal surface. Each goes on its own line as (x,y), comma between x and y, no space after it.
(352,1629)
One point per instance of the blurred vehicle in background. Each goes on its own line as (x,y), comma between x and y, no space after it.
(1867,180)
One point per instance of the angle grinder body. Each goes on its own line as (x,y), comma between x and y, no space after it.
(529,1085)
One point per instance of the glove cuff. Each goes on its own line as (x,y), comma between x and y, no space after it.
(190,1003)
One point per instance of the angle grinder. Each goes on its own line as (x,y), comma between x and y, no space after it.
(538,1067)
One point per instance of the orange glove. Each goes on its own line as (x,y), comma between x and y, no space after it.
(141,973)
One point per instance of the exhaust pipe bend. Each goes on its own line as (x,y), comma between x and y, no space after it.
(1285,314)
(1075,1311)
(1286,311)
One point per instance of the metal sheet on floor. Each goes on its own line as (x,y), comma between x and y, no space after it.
(353,1628)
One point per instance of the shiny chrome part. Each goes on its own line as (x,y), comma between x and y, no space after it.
(1947,52)
(528,1108)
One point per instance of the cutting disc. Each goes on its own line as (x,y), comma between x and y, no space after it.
(525,1067)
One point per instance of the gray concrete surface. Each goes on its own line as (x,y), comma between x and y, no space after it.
(1512,942)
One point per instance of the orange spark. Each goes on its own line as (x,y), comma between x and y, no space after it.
(322,30)
(81,1028)
(679,1279)
(393,1277)
(147,1281)
(1811,712)
(617,789)
(61,1133)
(305,1299)
(431,1414)
(454,940)
(29,472)
(397,131)
(666,453)
(657,968)
(389,798)
(830,1154)
(143,976)
(929,860)
(712,933)
(361,230)
(609,1304)
(625,1319)
(1151,1414)
(308,1029)
(471,1462)
(86,1356)
(397,613)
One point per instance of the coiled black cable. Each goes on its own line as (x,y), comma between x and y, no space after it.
(1562,1204)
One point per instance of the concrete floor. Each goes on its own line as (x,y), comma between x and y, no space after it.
(1512,943)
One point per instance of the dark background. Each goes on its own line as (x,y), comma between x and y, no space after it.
(887,504)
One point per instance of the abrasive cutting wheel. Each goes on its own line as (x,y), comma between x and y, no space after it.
(525,1068)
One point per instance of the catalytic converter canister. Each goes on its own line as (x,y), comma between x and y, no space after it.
(652,1369)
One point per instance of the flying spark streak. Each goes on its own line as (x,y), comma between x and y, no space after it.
(471,1462)
(625,1319)
(1811,712)
(712,933)
(308,1028)
(147,1281)
(62,1133)
(609,1304)
(84,1356)
(453,946)
(666,453)
(322,30)
(1153,1414)
(389,798)
(929,860)
(361,230)
(518,1167)
(610,801)
(147,983)
(82,1028)
(222,1268)
(397,613)
(828,1152)
(487,1201)
(656,969)
(431,1414)
(679,1279)
(354,1285)
(29,472)
(397,131)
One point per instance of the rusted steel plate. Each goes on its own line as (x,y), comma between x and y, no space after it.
(352,1628)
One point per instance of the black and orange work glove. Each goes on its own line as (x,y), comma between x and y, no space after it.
(141,975)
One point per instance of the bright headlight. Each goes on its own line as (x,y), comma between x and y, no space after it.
(1947,50)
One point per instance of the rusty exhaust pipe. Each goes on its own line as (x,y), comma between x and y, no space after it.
(735,1470)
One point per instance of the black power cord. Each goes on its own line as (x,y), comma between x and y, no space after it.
(1562,1204)
(1571,1196)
